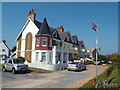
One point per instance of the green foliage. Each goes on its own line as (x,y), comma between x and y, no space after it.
(115,58)
(109,70)
(102,77)
(22,58)
(101,57)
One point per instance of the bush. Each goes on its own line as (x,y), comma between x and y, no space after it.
(22,58)
(109,70)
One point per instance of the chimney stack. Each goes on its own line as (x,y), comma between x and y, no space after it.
(61,29)
(32,15)
(4,41)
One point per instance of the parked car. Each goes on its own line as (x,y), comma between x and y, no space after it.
(14,64)
(109,62)
(76,66)
(98,62)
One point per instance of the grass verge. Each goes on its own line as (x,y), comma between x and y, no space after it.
(1,65)
(104,76)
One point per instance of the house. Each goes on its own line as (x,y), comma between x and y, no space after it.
(82,49)
(4,51)
(92,53)
(45,47)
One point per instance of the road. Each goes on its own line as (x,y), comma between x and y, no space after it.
(57,79)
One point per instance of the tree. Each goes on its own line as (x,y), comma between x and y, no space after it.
(13,49)
(115,58)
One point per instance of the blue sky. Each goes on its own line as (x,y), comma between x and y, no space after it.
(76,17)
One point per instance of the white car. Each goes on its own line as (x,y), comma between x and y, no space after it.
(76,66)
(14,64)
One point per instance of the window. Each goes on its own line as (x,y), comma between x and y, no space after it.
(68,45)
(37,56)
(50,61)
(44,41)
(43,56)
(50,42)
(3,50)
(68,39)
(57,43)
(10,61)
(64,45)
(17,61)
(37,41)
(55,34)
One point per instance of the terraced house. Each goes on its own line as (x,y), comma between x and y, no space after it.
(46,47)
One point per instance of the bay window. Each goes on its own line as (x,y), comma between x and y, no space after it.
(50,42)
(43,41)
(37,41)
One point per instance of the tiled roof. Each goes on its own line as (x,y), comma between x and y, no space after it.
(38,24)
(44,29)
(63,35)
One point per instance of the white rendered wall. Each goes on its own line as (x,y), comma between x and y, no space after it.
(32,28)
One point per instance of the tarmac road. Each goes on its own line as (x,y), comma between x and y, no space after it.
(57,79)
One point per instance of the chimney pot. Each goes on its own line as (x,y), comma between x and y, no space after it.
(4,41)
(32,15)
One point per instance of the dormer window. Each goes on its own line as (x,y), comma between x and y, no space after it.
(43,41)
(68,39)
(56,35)
(75,42)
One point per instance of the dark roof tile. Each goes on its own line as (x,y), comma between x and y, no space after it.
(44,29)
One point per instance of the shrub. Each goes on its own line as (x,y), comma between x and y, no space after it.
(22,58)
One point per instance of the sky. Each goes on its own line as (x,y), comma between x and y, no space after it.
(76,17)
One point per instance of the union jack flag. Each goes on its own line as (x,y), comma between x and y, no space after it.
(95,27)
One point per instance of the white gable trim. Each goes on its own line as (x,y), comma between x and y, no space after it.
(27,22)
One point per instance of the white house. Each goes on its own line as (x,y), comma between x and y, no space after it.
(4,51)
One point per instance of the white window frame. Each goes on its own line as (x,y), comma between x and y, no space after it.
(50,42)
(57,43)
(38,41)
(37,56)
(45,41)
(43,55)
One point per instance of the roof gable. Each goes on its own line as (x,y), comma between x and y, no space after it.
(68,38)
(56,34)
(5,45)
(25,25)
(75,39)
(63,35)
(81,44)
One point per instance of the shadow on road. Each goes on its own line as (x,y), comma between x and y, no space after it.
(78,71)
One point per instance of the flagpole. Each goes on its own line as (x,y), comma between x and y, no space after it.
(96,57)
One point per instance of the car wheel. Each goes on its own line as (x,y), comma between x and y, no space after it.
(13,71)
(4,69)
(85,68)
(68,69)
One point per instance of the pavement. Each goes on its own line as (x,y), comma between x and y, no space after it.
(58,79)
